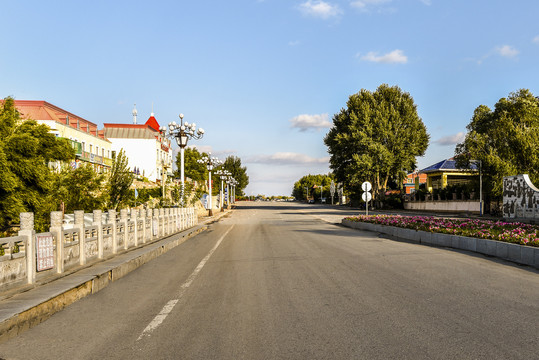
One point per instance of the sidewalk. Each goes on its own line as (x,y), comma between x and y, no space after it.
(29,305)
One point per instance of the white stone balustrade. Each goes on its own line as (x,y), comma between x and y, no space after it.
(81,243)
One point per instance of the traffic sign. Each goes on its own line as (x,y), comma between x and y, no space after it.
(366,196)
(366,186)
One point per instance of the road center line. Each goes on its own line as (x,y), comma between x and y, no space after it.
(167,309)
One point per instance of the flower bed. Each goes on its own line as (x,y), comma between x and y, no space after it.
(517,233)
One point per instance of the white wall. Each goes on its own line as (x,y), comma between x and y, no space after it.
(141,153)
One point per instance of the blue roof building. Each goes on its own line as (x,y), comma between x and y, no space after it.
(446,173)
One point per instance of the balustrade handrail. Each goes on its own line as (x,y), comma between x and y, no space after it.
(77,239)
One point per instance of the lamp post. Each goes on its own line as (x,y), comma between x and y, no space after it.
(223,175)
(182,133)
(233,183)
(229,182)
(210,162)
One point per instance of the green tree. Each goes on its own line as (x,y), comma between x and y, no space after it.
(239,173)
(26,151)
(505,140)
(193,169)
(315,185)
(120,179)
(80,189)
(375,138)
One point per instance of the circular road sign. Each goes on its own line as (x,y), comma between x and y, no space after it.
(367,196)
(366,186)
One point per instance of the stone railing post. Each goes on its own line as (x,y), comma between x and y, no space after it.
(97,222)
(155,224)
(58,234)
(27,230)
(111,219)
(168,222)
(176,220)
(79,224)
(123,220)
(148,233)
(134,218)
(180,216)
(162,229)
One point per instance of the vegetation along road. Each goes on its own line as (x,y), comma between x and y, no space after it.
(281,281)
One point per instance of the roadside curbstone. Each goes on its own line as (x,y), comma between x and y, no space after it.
(517,253)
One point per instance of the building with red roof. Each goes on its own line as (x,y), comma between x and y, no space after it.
(148,151)
(89,142)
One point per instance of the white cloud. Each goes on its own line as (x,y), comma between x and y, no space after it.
(393,57)
(426,2)
(306,122)
(209,149)
(286,158)
(451,139)
(365,4)
(506,51)
(536,39)
(293,43)
(319,9)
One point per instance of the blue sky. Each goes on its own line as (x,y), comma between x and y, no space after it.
(264,78)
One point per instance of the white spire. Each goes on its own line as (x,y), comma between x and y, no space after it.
(152,110)
(135,112)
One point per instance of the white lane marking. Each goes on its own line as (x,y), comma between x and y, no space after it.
(167,309)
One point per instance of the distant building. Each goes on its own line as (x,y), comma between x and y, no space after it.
(413,180)
(148,151)
(90,144)
(446,173)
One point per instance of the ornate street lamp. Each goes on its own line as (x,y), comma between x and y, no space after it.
(223,175)
(182,133)
(229,182)
(210,162)
(231,185)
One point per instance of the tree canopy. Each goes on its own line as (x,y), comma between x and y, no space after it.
(120,179)
(375,138)
(193,169)
(233,164)
(79,189)
(26,150)
(505,140)
(315,186)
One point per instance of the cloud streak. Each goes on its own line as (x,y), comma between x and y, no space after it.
(394,57)
(307,122)
(506,51)
(451,139)
(286,158)
(319,9)
(364,5)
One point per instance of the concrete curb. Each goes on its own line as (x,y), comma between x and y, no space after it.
(520,254)
(27,309)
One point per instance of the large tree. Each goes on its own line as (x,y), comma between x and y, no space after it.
(375,138)
(80,189)
(312,186)
(505,140)
(193,169)
(239,173)
(26,150)
(120,179)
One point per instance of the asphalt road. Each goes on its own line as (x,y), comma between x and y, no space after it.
(280,281)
